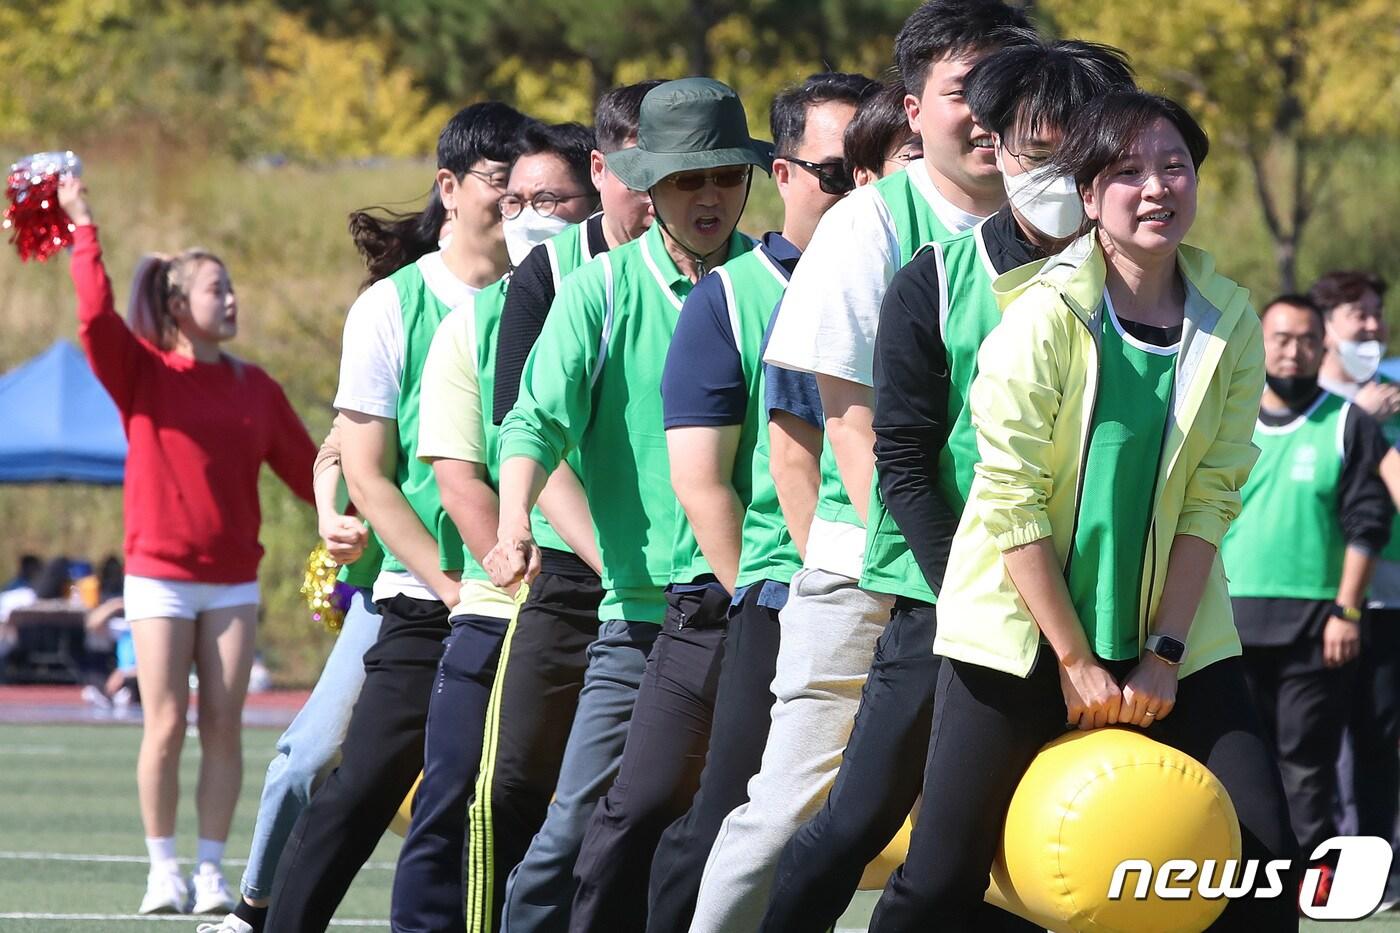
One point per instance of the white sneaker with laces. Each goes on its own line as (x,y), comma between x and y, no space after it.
(166,893)
(211,893)
(230,924)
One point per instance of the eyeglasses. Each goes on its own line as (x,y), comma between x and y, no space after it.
(1031,159)
(723,178)
(905,157)
(497,179)
(832,177)
(545,203)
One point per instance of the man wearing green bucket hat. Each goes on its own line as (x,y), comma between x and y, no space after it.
(592,383)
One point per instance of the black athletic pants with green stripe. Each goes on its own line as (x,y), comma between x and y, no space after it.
(537,689)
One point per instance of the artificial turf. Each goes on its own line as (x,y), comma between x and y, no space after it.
(70,790)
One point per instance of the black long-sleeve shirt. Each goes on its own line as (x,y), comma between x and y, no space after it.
(522,318)
(1364,509)
(911,395)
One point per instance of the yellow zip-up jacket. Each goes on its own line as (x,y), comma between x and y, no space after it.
(1032,406)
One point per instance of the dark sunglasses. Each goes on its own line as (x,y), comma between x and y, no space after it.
(832,177)
(723,178)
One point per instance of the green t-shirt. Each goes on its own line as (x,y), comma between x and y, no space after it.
(567,251)
(1119,481)
(968,314)
(1288,541)
(593,383)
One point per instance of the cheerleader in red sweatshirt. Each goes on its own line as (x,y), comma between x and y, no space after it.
(199,426)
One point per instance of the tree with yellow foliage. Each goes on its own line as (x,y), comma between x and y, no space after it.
(1282,82)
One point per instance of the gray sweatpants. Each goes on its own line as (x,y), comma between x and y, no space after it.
(829,629)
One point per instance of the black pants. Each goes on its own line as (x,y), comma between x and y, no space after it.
(1302,706)
(428,893)
(537,691)
(988,727)
(380,758)
(1374,724)
(661,765)
(879,780)
(741,721)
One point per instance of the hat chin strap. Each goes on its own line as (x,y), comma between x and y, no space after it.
(702,266)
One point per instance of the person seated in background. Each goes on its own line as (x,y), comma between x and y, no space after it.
(109,631)
(27,573)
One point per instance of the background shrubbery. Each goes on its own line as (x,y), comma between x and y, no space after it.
(254,127)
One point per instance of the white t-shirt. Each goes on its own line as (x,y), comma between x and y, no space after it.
(832,304)
(371,370)
(826,324)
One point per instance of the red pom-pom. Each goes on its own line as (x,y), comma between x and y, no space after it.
(38,226)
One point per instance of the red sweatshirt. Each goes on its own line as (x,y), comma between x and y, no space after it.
(197,433)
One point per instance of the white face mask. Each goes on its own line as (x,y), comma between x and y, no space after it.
(1360,358)
(1049,203)
(529,230)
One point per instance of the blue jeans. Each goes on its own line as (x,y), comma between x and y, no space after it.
(428,893)
(540,890)
(310,748)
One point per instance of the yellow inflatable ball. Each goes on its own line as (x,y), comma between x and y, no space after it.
(879,871)
(1091,800)
(399,824)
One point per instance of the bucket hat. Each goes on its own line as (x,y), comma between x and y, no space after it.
(687,125)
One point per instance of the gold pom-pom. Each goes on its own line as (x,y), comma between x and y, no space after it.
(321,591)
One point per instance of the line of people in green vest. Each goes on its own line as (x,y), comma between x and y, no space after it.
(698,558)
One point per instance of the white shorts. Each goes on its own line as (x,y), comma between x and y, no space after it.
(149,598)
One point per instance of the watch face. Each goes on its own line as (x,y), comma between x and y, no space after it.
(1169,649)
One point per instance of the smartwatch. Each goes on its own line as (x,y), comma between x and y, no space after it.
(1349,613)
(1169,649)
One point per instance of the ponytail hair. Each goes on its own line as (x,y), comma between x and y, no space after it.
(158,278)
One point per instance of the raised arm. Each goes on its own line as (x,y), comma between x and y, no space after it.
(114,352)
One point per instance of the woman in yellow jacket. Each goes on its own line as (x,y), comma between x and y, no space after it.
(1114,411)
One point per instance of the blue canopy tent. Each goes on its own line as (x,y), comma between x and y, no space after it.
(57,423)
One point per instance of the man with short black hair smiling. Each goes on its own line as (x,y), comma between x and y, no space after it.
(827,327)
(933,319)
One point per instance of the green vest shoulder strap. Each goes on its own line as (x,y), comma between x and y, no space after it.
(567,251)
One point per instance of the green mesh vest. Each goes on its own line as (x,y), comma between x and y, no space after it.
(968,314)
(1287,541)
(422,312)
(915,224)
(753,283)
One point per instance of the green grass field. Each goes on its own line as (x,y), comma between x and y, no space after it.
(68,797)
(71,790)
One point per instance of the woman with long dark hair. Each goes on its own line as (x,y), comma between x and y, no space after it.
(200,424)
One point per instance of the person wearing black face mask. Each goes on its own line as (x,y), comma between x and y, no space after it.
(1299,558)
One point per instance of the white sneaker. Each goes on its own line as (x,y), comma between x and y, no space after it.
(211,893)
(93,696)
(230,924)
(166,893)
